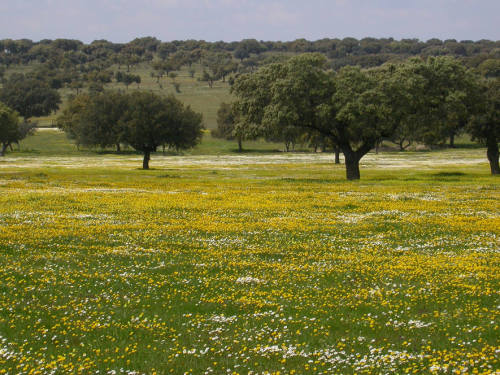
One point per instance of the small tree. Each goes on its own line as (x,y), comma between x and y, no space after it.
(227,125)
(127,79)
(151,121)
(289,135)
(207,77)
(177,85)
(9,123)
(11,131)
(69,120)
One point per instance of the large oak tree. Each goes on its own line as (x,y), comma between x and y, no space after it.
(349,107)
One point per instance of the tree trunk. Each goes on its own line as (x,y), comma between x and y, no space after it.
(118,149)
(402,146)
(240,145)
(337,154)
(452,140)
(4,147)
(352,165)
(493,154)
(352,158)
(145,161)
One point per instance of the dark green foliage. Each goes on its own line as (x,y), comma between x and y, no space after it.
(11,130)
(229,126)
(225,122)
(29,96)
(247,47)
(490,68)
(142,120)
(101,76)
(290,136)
(207,77)
(217,66)
(9,124)
(151,121)
(356,109)
(438,97)
(95,120)
(485,125)
(127,79)
(100,122)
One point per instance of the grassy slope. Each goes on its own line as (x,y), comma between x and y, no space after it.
(195,93)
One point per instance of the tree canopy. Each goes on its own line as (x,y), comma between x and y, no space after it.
(231,126)
(29,96)
(347,107)
(355,108)
(151,121)
(142,120)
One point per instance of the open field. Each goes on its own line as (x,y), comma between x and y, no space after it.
(248,264)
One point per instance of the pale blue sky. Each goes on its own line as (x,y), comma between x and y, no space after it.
(229,20)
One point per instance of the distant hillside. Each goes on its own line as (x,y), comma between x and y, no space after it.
(198,72)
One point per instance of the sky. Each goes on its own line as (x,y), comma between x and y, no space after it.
(234,20)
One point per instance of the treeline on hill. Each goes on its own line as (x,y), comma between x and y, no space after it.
(73,64)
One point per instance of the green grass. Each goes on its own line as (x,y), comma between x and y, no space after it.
(54,142)
(262,262)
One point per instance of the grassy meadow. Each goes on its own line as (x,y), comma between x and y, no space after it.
(254,263)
